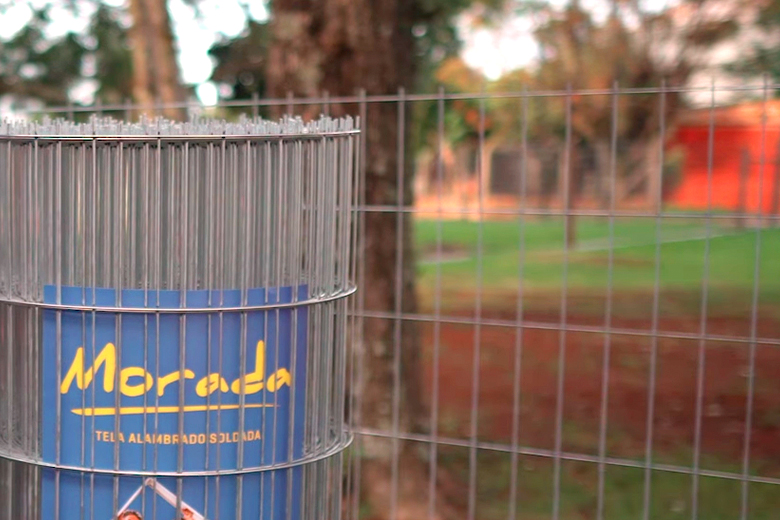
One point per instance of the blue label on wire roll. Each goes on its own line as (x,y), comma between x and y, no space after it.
(153,393)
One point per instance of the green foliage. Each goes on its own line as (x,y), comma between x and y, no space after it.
(544,118)
(240,62)
(461,117)
(34,66)
(765,58)
(579,53)
(113,63)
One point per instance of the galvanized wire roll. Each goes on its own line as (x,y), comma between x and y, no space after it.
(173,318)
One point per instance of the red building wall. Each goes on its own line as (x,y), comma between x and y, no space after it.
(728,144)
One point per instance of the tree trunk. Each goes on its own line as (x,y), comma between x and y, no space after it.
(342,46)
(155,70)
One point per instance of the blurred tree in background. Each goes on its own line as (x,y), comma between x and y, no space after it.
(33,67)
(156,76)
(766,52)
(123,60)
(112,56)
(631,49)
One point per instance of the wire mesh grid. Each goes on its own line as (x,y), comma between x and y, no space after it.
(626,419)
(173,317)
(577,358)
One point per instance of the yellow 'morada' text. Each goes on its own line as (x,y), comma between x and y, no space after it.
(135,381)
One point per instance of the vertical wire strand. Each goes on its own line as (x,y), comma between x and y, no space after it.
(567,171)
(133,221)
(702,346)
(520,313)
(158,282)
(219,281)
(113,186)
(607,346)
(39,267)
(311,384)
(751,379)
(398,303)
(474,428)
(296,224)
(140,164)
(360,296)
(434,419)
(210,183)
(7,224)
(266,269)
(90,292)
(184,223)
(58,333)
(650,418)
(255,105)
(280,250)
(353,332)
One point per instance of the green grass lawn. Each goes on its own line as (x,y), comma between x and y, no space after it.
(670,493)
(731,263)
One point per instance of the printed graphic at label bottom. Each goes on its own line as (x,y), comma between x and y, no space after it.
(173,393)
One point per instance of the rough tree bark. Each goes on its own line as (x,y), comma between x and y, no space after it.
(342,46)
(155,70)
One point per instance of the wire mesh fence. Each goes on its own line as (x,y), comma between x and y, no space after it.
(173,318)
(599,340)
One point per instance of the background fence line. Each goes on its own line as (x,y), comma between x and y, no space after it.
(638,378)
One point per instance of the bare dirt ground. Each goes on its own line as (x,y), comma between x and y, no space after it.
(477,481)
(725,377)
